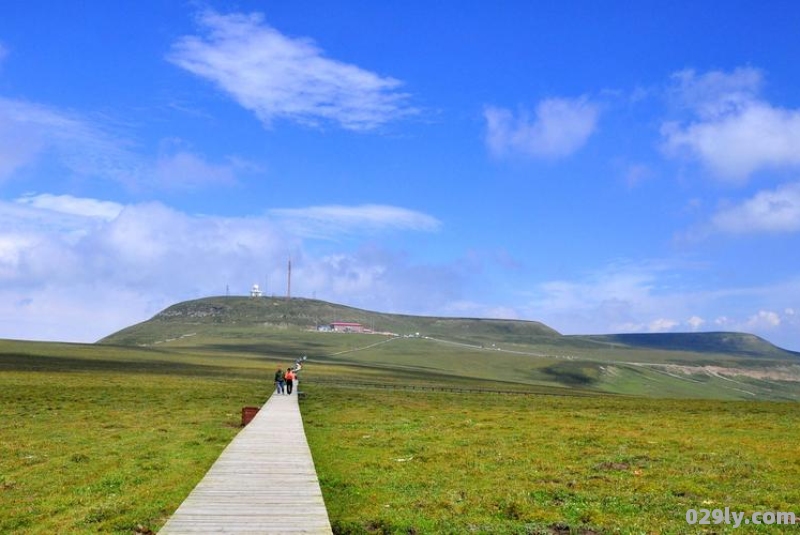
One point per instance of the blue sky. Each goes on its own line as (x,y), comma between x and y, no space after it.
(601,167)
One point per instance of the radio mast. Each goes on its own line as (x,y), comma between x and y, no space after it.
(289,281)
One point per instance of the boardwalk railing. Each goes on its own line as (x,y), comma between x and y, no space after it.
(263,483)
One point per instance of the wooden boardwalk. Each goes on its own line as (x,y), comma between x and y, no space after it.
(264,482)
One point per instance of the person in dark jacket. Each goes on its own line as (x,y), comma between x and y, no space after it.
(280,380)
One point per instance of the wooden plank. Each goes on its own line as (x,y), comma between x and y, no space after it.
(264,482)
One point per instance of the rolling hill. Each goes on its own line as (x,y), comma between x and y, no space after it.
(217,313)
(511,353)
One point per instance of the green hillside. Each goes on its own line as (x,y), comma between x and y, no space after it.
(210,314)
(740,344)
(515,354)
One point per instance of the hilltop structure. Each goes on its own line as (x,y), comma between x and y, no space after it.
(344,327)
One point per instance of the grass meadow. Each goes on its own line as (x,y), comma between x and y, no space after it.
(105,439)
(410,462)
(93,441)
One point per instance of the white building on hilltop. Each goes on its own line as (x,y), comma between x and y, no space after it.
(255,291)
(347,327)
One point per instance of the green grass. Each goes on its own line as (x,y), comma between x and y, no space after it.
(103,438)
(103,445)
(401,462)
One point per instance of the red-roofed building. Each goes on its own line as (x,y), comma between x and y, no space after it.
(347,327)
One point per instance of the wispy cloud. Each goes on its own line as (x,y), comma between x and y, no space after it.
(768,211)
(558,128)
(379,279)
(715,93)
(336,220)
(734,132)
(34,135)
(31,133)
(186,170)
(20,138)
(616,289)
(281,77)
(660,297)
(67,204)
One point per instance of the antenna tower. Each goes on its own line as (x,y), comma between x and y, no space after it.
(289,281)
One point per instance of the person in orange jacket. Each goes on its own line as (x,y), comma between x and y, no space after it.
(289,377)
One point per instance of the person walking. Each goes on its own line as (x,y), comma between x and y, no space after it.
(289,376)
(280,379)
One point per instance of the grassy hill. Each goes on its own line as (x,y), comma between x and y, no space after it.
(512,353)
(214,314)
(730,343)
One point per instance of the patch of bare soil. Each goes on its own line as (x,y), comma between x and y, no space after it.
(777,373)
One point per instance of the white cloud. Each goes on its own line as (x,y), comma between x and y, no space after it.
(12,245)
(65,260)
(559,128)
(34,220)
(662,325)
(765,319)
(768,211)
(336,220)
(67,204)
(151,237)
(734,132)
(280,77)
(695,322)
(59,253)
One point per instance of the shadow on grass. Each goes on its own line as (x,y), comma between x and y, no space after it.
(53,363)
(580,374)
